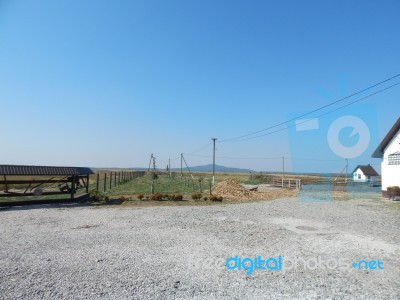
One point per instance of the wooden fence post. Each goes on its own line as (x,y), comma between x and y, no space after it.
(73,186)
(87,183)
(110,180)
(97,181)
(105,182)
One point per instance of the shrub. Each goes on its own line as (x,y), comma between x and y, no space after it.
(205,198)
(196,196)
(124,198)
(156,197)
(216,198)
(177,197)
(140,197)
(96,196)
(393,191)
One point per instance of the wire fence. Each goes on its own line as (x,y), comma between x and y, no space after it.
(106,181)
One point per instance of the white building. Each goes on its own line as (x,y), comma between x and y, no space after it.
(389,151)
(365,174)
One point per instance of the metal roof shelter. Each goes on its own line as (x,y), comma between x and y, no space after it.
(42,171)
(21,180)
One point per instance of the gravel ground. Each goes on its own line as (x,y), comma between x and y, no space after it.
(127,252)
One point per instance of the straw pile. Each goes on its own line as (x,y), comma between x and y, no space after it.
(231,189)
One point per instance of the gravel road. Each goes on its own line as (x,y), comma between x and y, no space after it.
(123,252)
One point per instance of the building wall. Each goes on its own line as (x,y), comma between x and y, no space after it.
(391,173)
(358,176)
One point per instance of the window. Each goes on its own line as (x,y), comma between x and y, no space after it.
(394,159)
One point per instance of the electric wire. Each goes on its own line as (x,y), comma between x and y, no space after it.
(319,116)
(240,138)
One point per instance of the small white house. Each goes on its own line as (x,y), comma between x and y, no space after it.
(364,174)
(389,151)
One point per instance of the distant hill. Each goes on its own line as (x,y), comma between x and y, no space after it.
(205,168)
(218,168)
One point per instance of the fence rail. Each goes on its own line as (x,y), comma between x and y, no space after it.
(288,183)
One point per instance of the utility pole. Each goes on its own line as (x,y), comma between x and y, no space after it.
(213,178)
(181,164)
(347,169)
(154,164)
(151,158)
(283,166)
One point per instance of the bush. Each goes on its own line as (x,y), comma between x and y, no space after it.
(205,198)
(177,197)
(168,197)
(216,198)
(156,197)
(393,191)
(140,197)
(96,196)
(196,196)
(124,198)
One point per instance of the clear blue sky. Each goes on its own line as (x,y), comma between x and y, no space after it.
(107,83)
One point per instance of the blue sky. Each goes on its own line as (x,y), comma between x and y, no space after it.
(107,83)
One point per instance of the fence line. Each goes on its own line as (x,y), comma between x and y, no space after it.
(115,179)
(287,183)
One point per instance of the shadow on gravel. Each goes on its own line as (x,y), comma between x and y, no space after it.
(41,206)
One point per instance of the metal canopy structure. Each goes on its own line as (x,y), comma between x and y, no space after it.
(21,180)
(43,171)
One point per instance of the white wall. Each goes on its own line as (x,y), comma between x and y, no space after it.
(359,172)
(391,173)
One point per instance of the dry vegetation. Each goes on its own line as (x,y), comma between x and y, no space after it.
(232,190)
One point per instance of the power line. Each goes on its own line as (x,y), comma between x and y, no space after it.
(305,121)
(266,158)
(313,111)
(199,149)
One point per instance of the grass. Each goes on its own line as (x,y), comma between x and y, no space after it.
(188,185)
(164,185)
(200,182)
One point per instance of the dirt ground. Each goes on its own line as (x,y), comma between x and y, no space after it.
(179,252)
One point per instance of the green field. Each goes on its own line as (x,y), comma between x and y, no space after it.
(174,183)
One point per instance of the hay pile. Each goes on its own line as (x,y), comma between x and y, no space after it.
(231,189)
